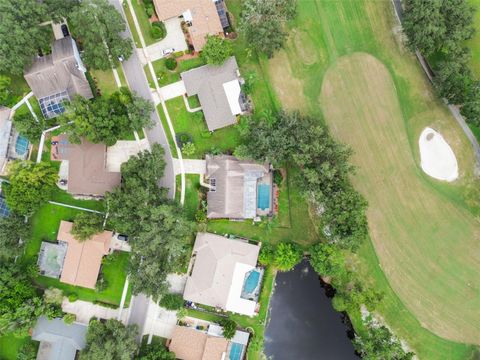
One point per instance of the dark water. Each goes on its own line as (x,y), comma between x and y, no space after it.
(303,323)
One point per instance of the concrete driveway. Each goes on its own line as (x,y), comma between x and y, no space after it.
(175,39)
(122,151)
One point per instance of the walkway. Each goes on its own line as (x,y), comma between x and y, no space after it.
(137,82)
(190,166)
(174,90)
(454,110)
(85,310)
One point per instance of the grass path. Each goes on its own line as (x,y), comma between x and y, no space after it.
(321,35)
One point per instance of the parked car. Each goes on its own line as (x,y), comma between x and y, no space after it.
(65,31)
(168,51)
(122,237)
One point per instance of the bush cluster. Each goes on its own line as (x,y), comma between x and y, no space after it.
(172,301)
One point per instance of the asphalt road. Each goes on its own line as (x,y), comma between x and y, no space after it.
(137,81)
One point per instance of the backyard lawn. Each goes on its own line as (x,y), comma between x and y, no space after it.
(45,223)
(193,124)
(342,60)
(10,345)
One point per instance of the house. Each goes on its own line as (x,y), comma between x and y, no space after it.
(223,274)
(76,263)
(238,189)
(84,167)
(58,77)
(202,17)
(193,344)
(58,340)
(219,91)
(12,144)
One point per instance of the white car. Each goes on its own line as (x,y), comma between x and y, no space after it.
(167,51)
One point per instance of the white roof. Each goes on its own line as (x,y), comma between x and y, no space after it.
(234,302)
(232,90)
(187,16)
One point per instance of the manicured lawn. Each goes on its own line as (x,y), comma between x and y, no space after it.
(474,43)
(143,21)
(10,345)
(45,223)
(192,194)
(193,124)
(105,81)
(63,197)
(17,89)
(131,25)
(165,76)
(422,232)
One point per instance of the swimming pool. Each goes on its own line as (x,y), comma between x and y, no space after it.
(251,282)
(21,146)
(263,196)
(236,351)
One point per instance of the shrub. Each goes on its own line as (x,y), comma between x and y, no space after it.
(102,284)
(277,177)
(188,149)
(229,328)
(158,30)
(182,313)
(69,318)
(149,10)
(267,254)
(28,351)
(172,301)
(217,50)
(171,63)
(53,296)
(287,255)
(327,260)
(73,297)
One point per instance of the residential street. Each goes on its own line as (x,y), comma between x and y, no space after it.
(138,82)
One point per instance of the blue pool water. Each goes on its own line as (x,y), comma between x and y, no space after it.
(236,351)
(251,282)
(21,145)
(263,196)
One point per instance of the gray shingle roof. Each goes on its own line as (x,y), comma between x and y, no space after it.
(207,82)
(60,71)
(235,186)
(58,341)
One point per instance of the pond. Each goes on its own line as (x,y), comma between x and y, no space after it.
(303,323)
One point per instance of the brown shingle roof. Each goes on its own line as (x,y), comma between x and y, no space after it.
(83,259)
(87,169)
(205,20)
(190,344)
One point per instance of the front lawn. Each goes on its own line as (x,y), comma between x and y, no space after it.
(144,22)
(192,194)
(105,81)
(165,76)
(224,140)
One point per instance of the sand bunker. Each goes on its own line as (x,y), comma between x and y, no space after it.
(436,156)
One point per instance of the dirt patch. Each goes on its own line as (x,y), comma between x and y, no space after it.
(426,243)
(289,89)
(304,46)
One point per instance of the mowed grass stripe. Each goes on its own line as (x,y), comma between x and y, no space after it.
(427,246)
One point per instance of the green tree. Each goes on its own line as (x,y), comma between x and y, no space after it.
(20,305)
(287,255)
(110,340)
(172,301)
(263,23)
(13,234)
(21,37)
(5,82)
(30,186)
(471,108)
(145,169)
(266,255)
(377,342)
(98,25)
(327,260)
(160,248)
(458,19)
(26,125)
(229,328)
(351,296)
(216,50)
(155,352)
(106,120)
(28,351)
(86,224)
(60,9)
(424,25)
